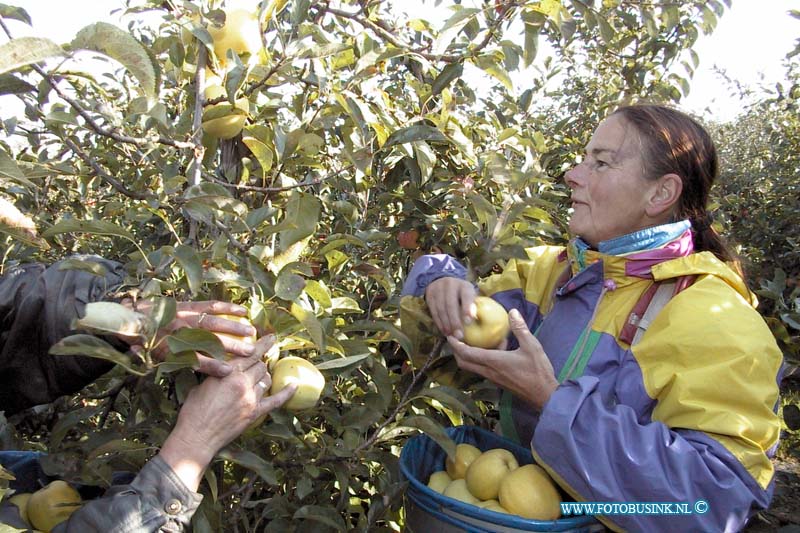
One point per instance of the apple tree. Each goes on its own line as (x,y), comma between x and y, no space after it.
(300,172)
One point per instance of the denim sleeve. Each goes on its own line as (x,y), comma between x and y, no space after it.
(428,269)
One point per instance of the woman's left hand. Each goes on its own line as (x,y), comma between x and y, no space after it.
(526,371)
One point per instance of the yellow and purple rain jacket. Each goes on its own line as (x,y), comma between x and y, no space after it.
(685,414)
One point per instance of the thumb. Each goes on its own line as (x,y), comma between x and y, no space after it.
(520,328)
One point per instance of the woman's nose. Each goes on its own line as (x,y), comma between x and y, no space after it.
(572,176)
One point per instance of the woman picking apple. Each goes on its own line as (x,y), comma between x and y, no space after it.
(638,369)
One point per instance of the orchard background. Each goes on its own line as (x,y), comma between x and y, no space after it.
(365,146)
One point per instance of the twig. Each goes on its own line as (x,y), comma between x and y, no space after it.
(279,189)
(233,240)
(437,348)
(102,174)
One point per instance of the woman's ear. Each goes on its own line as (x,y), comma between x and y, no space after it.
(665,195)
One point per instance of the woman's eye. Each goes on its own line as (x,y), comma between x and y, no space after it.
(600,164)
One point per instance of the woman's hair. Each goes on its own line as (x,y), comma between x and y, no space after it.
(675,143)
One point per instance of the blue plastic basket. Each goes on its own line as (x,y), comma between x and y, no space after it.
(429,511)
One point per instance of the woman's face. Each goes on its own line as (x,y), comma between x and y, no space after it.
(609,190)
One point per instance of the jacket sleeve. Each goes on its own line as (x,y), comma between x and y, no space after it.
(428,269)
(156,500)
(37,306)
(708,436)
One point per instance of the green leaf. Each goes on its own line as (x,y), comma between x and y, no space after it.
(250,461)
(607,33)
(10,84)
(491,65)
(451,398)
(196,340)
(420,132)
(289,285)
(345,304)
(311,324)
(319,292)
(302,215)
(164,311)
(93,227)
(190,261)
(395,333)
(449,73)
(431,428)
(10,169)
(92,267)
(325,515)
(120,45)
(15,13)
(343,362)
(92,346)
(26,51)
(263,153)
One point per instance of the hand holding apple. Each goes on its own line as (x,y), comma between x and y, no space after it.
(450,302)
(526,371)
(490,326)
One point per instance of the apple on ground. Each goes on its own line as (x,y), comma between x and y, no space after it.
(457,465)
(490,327)
(488,470)
(529,492)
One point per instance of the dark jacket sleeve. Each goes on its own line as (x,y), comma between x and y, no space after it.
(156,501)
(37,306)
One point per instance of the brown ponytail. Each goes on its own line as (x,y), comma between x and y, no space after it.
(674,143)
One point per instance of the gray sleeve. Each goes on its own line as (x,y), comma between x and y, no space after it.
(37,306)
(156,500)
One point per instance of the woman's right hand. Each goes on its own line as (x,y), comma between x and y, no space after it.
(451,302)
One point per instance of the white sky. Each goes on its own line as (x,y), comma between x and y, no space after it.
(750,42)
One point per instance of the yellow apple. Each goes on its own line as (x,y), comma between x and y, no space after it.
(457,489)
(490,327)
(240,33)
(457,466)
(51,505)
(439,481)
(493,505)
(310,382)
(529,492)
(222,120)
(21,501)
(488,470)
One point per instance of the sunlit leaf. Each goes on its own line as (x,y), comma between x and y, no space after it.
(120,45)
(196,339)
(26,51)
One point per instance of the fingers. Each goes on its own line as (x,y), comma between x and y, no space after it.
(269,403)
(467,297)
(263,345)
(212,367)
(237,347)
(219,324)
(253,368)
(449,300)
(211,307)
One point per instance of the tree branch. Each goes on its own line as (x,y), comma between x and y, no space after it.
(102,174)
(255,188)
(437,348)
